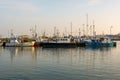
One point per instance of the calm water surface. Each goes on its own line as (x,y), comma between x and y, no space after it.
(31,63)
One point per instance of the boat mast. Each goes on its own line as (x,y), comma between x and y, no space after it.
(90,30)
(111,31)
(83,29)
(79,32)
(35,31)
(12,35)
(65,31)
(71,28)
(54,31)
(94,33)
(87,25)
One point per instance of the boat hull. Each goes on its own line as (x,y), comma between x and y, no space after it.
(26,44)
(61,45)
(55,45)
(99,44)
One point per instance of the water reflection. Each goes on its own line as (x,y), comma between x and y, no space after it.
(16,52)
(59,55)
(1,50)
(87,59)
(60,63)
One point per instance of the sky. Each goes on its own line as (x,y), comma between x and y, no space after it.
(22,15)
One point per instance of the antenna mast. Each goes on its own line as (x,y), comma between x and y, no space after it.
(79,32)
(87,25)
(54,31)
(94,33)
(83,29)
(71,28)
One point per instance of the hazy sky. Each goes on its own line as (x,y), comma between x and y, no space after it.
(21,15)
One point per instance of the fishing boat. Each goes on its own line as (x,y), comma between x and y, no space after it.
(60,42)
(100,42)
(14,42)
(17,42)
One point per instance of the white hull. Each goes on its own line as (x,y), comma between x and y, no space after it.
(28,44)
(25,44)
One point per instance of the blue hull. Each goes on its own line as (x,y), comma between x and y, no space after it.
(98,44)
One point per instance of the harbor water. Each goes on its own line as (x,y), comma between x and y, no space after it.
(84,63)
